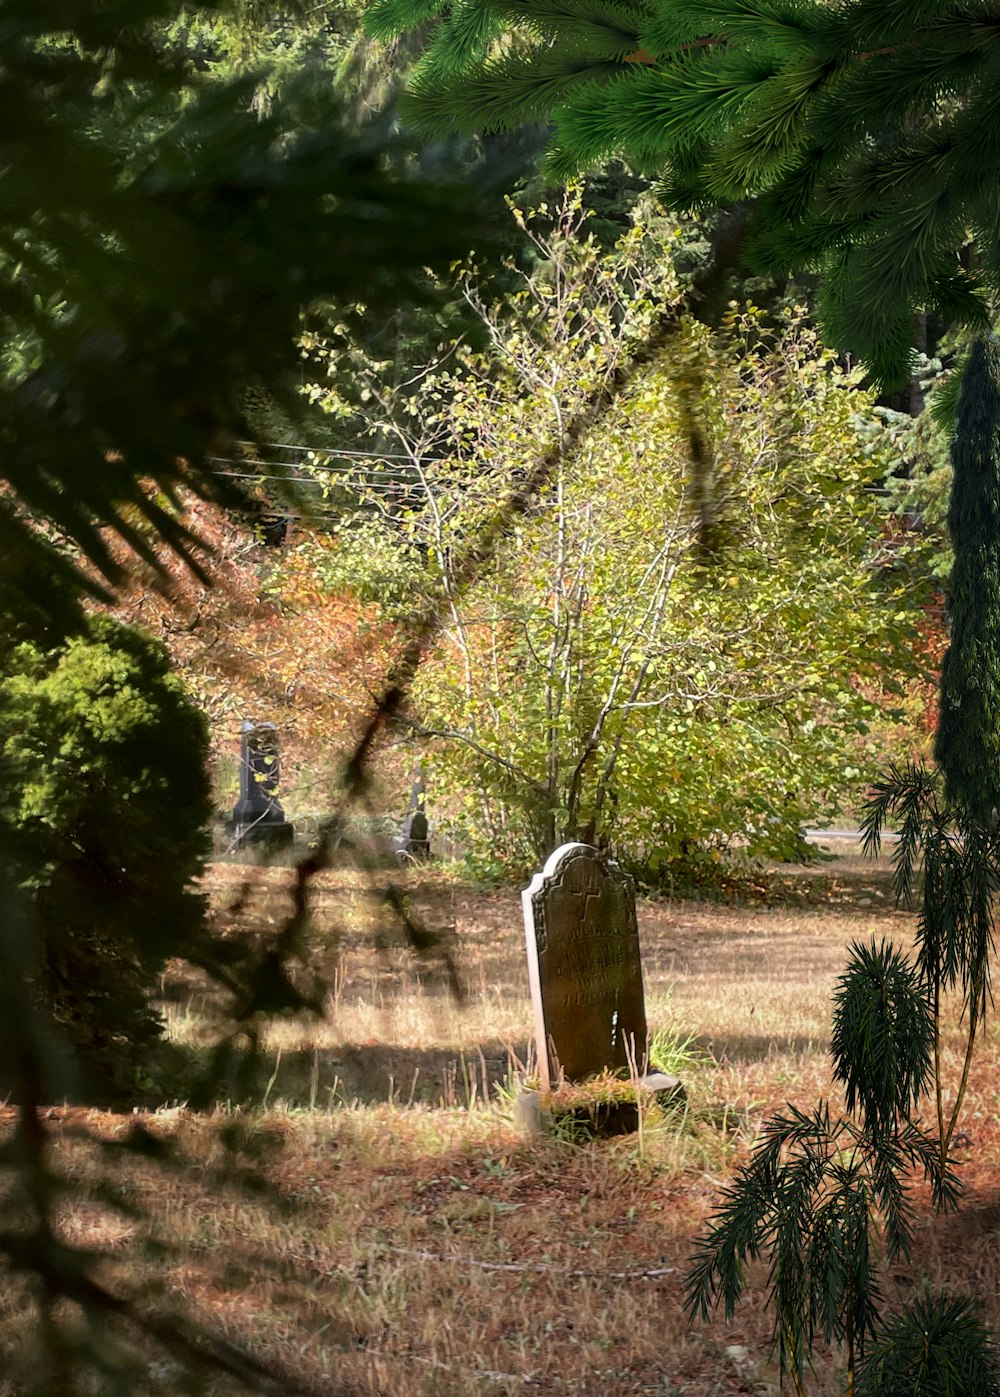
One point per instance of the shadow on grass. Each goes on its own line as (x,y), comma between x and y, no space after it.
(750,1047)
(322,1078)
(374,1073)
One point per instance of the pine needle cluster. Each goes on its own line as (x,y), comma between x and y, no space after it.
(810,1202)
(868,132)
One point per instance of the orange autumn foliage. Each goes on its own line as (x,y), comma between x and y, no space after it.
(253,644)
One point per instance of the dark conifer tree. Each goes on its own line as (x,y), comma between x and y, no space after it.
(968,737)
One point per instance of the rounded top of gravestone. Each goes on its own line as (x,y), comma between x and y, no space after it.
(567,856)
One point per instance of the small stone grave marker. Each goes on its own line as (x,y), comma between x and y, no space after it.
(413,840)
(584,967)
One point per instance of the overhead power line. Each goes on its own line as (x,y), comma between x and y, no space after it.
(386,487)
(331,453)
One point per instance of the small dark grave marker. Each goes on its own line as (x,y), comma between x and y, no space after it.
(258,816)
(413,840)
(584,967)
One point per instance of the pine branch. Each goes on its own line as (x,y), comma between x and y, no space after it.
(507,93)
(463,39)
(935,1344)
(880,90)
(565,19)
(387,19)
(883,1036)
(655,115)
(771,134)
(786,28)
(864,26)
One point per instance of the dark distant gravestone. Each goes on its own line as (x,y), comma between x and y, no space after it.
(414,837)
(413,840)
(584,967)
(258,816)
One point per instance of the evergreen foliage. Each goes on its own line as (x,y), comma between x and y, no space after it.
(160,235)
(868,133)
(959,857)
(103,828)
(811,1201)
(968,738)
(921,481)
(934,1347)
(886,1048)
(883,1036)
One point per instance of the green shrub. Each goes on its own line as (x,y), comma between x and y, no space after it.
(103,825)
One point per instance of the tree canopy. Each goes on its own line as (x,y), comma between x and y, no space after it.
(627,665)
(867,133)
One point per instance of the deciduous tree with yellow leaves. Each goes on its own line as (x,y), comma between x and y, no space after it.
(665,656)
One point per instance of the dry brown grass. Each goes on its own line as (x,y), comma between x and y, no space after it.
(422,1247)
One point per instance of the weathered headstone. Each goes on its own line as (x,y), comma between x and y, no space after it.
(584,967)
(413,840)
(258,815)
(414,836)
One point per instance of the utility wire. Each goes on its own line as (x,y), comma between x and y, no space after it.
(331,454)
(388,487)
(336,451)
(354,464)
